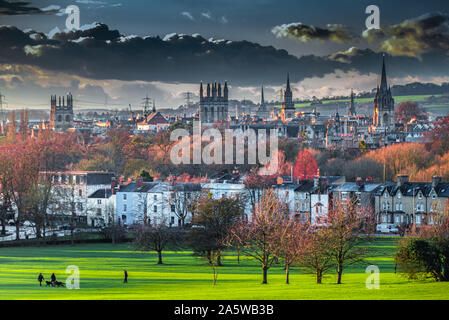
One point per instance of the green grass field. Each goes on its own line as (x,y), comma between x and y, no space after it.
(185,277)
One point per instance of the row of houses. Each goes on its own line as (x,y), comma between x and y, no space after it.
(99,199)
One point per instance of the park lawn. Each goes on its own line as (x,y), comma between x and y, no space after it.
(183,276)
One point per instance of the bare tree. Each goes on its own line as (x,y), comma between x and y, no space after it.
(157,237)
(315,256)
(184,197)
(257,236)
(347,227)
(291,237)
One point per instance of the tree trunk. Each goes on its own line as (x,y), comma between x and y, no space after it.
(319,276)
(265,275)
(159,256)
(219,258)
(287,273)
(339,273)
(17,230)
(238,255)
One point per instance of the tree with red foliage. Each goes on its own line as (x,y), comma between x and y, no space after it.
(305,165)
(409,110)
(438,138)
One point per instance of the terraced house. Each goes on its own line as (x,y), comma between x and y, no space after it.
(403,202)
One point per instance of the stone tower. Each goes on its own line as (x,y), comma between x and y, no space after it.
(214,103)
(61,114)
(383,116)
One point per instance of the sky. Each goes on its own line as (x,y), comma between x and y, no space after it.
(125,50)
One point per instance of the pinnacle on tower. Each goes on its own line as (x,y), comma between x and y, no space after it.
(288,82)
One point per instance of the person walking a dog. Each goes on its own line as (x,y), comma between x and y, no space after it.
(126,276)
(40,279)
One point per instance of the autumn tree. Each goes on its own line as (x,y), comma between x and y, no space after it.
(409,110)
(19,170)
(438,138)
(305,165)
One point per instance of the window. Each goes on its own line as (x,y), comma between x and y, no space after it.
(80,192)
(399,195)
(155,208)
(124,207)
(419,195)
(172,208)
(397,206)
(172,220)
(434,196)
(400,206)
(99,212)
(386,195)
(99,201)
(124,196)
(344,196)
(80,206)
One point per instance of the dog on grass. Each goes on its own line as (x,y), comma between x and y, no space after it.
(49,283)
(59,284)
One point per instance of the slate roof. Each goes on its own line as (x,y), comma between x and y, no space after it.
(410,189)
(132,187)
(100,194)
(99,178)
(353,187)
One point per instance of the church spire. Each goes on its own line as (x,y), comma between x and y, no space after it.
(262,99)
(383,82)
(288,82)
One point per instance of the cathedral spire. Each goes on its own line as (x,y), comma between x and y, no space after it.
(288,82)
(383,82)
(262,99)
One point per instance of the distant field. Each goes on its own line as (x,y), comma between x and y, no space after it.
(397,99)
(186,277)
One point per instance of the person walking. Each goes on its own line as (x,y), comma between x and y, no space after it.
(53,278)
(126,276)
(40,279)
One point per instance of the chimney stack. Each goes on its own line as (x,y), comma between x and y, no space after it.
(401,179)
(436,180)
(139,182)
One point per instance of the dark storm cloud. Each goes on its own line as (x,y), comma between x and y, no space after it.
(10,8)
(414,37)
(305,33)
(96,52)
(100,53)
